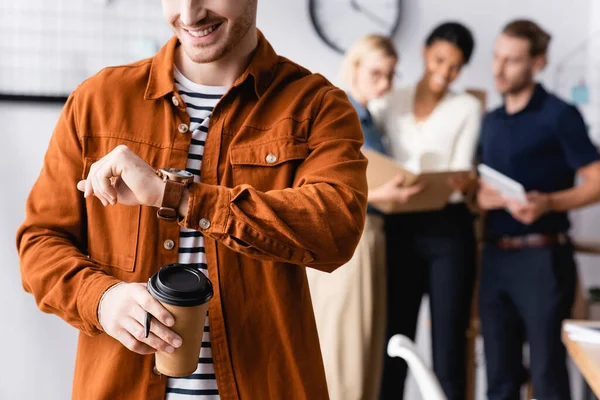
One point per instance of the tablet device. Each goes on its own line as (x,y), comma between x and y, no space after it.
(507,187)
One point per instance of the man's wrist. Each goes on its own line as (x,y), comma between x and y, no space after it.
(549,203)
(102,299)
(160,192)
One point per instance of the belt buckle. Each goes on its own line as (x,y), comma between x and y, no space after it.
(531,241)
(563,239)
(508,242)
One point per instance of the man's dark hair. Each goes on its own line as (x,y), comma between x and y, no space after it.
(538,38)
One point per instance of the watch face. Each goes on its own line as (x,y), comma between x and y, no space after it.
(180,173)
(341,23)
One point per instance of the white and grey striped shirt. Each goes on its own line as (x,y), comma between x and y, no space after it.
(200,101)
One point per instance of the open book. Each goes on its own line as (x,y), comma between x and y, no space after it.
(434,196)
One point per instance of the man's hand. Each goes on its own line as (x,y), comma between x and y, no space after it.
(123,177)
(537,205)
(122,312)
(489,198)
(393,190)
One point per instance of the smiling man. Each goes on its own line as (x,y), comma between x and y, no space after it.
(273,181)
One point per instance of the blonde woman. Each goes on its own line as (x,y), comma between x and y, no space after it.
(350,303)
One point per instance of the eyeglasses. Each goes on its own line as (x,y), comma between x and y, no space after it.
(376,75)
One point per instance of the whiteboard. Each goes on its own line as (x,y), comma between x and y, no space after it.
(48,47)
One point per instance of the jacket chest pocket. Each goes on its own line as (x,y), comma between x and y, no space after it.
(113,231)
(267,165)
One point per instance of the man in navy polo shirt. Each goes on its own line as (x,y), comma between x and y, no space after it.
(528,270)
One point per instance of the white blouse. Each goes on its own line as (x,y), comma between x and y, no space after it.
(445,141)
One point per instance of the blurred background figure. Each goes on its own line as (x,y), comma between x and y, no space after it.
(528,270)
(431,128)
(350,303)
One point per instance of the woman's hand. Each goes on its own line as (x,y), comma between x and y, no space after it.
(463,182)
(393,190)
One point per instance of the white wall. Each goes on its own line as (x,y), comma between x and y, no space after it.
(39,349)
(584,220)
(292,35)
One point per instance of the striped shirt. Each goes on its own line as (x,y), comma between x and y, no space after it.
(200,101)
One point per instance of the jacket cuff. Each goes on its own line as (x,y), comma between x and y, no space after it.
(208,209)
(88,301)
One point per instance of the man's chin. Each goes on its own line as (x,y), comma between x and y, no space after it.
(502,88)
(203,55)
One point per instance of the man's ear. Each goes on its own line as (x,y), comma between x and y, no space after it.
(539,63)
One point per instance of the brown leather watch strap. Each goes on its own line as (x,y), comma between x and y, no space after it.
(171,199)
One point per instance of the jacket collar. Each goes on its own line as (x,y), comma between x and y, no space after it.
(261,69)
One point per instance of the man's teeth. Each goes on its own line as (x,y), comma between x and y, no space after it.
(204,32)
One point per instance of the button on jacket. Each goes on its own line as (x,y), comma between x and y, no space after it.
(283,187)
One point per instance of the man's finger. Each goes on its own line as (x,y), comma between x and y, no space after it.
(88,187)
(137,331)
(132,343)
(89,181)
(97,182)
(526,218)
(104,175)
(533,196)
(97,192)
(153,306)
(158,328)
(515,210)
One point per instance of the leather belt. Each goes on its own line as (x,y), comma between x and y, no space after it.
(529,241)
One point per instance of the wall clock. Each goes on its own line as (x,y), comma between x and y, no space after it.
(339,23)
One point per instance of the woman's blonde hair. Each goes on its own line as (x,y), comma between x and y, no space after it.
(367,45)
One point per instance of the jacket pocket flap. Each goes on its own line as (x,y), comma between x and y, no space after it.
(268,154)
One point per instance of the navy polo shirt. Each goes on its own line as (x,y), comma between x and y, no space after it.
(541,146)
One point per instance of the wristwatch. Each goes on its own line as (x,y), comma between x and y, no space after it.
(176,180)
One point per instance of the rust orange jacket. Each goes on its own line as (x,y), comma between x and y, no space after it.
(268,220)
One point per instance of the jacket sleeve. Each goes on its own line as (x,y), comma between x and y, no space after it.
(317,222)
(53,238)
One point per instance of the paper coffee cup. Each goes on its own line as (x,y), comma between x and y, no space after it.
(185,292)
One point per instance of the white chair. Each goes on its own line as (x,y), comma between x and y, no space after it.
(429,386)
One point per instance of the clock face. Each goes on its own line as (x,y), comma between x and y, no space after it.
(340,23)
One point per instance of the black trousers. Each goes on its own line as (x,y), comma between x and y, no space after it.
(525,295)
(434,253)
